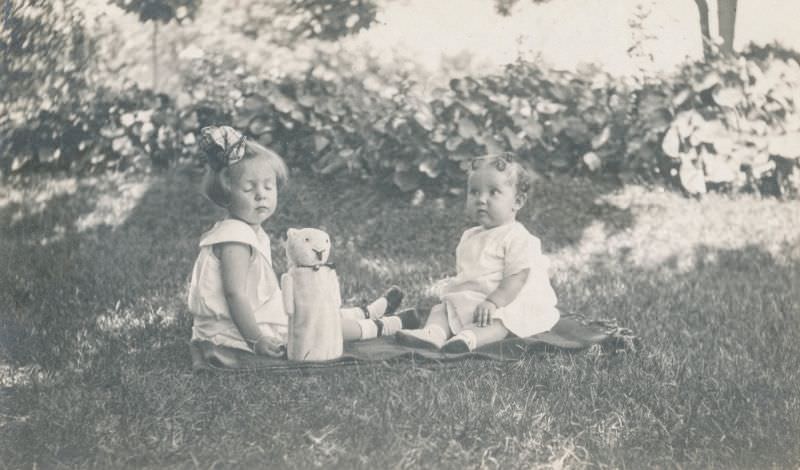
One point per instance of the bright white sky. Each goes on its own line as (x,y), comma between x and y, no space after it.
(567,32)
(563,33)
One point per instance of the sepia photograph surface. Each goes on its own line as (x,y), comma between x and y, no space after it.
(368,234)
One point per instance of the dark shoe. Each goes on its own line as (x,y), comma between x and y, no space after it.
(410,318)
(394,297)
(455,345)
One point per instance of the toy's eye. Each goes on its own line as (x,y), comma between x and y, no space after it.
(308,239)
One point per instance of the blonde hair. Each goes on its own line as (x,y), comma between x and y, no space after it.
(216,182)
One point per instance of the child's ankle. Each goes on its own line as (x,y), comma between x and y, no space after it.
(386,304)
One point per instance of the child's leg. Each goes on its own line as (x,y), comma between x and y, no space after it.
(350,329)
(353,329)
(474,336)
(433,335)
(386,304)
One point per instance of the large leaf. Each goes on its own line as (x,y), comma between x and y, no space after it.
(424,117)
(706,81)
(493,147)
(320,143)
(430,167)
(709,132)
(592,161)
(259,125)
(532,128)
(601,139)
(671,145)
(691,177)
(728,96)
(787,146)
(514,140)
(281,102)
(467,128)
(681,97)
(307,101)
(717,168)
(687,121)
(576,129)
(253,104)
(549,107)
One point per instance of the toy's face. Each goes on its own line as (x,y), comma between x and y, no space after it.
(307,246)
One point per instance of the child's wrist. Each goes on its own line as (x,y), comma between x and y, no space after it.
(253,342)
(492,301)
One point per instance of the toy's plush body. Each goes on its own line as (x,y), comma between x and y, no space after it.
(312,297)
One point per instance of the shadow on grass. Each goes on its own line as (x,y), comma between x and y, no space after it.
(104,260)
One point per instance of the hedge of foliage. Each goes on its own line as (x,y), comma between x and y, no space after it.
(733,123)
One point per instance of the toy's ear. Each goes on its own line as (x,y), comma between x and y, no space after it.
(290,233)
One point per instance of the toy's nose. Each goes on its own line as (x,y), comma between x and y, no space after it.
(319,254)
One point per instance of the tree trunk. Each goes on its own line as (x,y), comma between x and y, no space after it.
(155,55)
(726,12)
(705,29)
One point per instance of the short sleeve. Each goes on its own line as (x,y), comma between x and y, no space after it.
(236,231)
(522,251)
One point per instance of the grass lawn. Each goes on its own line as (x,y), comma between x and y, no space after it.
(95,369)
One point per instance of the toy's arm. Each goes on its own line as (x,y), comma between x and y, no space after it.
(287,289)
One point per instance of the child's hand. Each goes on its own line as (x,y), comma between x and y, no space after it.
(484,313)
(271,347)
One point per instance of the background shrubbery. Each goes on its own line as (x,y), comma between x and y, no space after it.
(730,123)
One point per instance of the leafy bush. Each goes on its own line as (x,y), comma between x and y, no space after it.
(112,130)
(735,123)
(729,124)
(47,55)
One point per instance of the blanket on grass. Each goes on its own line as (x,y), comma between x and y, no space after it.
(572,332)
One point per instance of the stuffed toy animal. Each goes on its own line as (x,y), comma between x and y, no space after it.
(311,297)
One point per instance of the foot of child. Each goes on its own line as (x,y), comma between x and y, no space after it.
(430,337)
(394,297)
(409,318)
(386,304)
(463,342)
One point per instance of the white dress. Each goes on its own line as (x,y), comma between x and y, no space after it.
(483,258)
(211,318)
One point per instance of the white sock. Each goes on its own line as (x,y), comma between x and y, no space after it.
(369,329)
(377,308)
(468,336)
(391,325)
(352,313)
(437,331)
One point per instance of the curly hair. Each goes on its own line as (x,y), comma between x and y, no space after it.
(523,179)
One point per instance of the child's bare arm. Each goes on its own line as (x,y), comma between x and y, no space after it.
(234,261)
(508,289)
(505,293)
